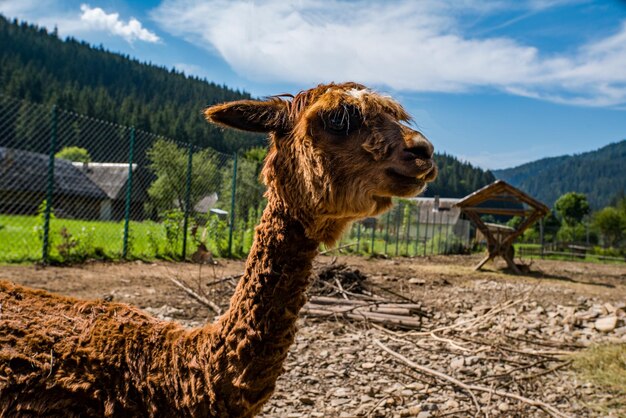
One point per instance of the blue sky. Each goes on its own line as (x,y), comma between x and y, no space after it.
(494,82)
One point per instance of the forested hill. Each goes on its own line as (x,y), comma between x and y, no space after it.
(38,66)
(457,178)
(600,174)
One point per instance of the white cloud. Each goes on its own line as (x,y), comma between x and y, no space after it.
(96,18)
(70,21)
(404,45)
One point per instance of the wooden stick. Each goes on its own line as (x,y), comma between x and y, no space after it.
(340,287)
(396,320)
(339,308)
(327,300)
(203,300)
(337,248)
(224,279)
(550,410)
(386,308)
(431,372)
(456,345)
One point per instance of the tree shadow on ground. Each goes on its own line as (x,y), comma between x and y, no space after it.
(538,274)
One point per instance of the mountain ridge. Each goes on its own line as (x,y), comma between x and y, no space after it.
(599,174)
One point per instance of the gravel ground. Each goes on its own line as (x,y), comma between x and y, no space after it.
(490,344)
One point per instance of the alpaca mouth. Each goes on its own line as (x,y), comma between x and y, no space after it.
(403,178)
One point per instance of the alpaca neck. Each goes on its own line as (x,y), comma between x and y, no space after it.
(254,336)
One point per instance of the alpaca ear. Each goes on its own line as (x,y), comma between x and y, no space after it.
(250,115)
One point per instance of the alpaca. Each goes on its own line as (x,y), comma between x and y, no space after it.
(337,153)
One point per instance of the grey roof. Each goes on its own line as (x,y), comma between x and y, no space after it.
(25,171)
(110,177)
(206,203)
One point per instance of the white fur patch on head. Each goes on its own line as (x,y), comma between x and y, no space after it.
(357,93)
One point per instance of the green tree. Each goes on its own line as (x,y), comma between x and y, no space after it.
(621,206)
(572,233)
(249,192)
(611,224)
(457,178)
(169,163)
(515,222)
(572,207)
(551,225)
(76,154)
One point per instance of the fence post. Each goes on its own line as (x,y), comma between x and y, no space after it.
(129,189)
(447,231)
(432,239)
(387,231)
(541,236)
(187,200)
(232,208)
(398,224)
(426,230)
(439,232)
(50,188)
(407,236)
(417,229)
(374,235)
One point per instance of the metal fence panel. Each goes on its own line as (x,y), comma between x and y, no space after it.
(134,194)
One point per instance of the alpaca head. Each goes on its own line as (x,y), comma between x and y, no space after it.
(338,152)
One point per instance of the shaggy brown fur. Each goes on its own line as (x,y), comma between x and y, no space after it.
(337,153)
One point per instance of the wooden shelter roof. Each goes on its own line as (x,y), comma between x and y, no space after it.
(501,191)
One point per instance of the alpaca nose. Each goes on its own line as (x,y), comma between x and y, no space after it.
(418,145)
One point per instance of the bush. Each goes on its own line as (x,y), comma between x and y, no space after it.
(76,154)
(607,252)
(173,224)
(572,233)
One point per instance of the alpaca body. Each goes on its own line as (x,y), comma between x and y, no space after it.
(74,358)
(338,152)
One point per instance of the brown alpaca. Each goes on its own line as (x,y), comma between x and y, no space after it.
(338,152)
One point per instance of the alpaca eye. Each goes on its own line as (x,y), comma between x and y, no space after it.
(343,120)
(338,122)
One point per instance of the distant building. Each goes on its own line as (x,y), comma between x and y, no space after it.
(437,214)
(24,185)
(430,217)
(112,179)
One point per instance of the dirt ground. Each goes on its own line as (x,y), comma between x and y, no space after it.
(489,328)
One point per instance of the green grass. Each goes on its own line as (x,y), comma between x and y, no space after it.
(74,240)
(591,257)
(605,367)
(20,240)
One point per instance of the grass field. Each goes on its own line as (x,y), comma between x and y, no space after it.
(74,240)
(77,240)
(595,255)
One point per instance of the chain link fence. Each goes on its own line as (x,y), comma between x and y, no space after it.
(74,188)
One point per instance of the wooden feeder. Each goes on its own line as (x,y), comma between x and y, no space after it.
(500,198)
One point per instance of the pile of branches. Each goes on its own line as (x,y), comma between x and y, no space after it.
(341,292)
(338,279)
